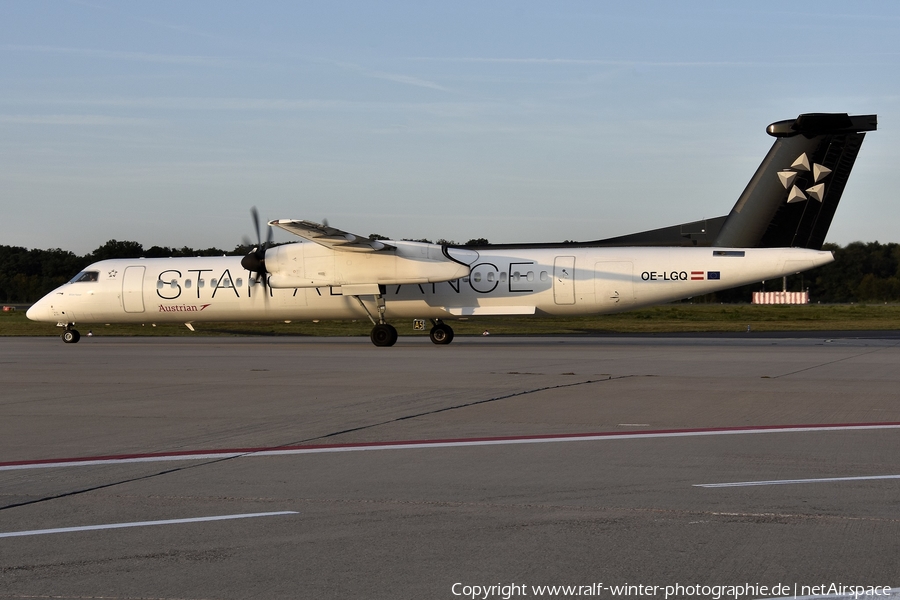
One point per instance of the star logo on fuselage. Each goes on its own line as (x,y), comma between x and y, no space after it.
(112,274)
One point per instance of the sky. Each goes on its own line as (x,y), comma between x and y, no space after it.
(165,122)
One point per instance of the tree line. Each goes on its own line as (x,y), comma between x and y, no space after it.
(27,275)
(861,272)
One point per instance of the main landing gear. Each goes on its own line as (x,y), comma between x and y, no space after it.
(441,333)
(384,334)
(70,336)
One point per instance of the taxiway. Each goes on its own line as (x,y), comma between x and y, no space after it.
(328,468)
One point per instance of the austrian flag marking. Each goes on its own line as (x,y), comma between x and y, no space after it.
(705,276)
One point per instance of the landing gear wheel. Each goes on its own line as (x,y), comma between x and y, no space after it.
(383,335)
(71,336)
(441,334)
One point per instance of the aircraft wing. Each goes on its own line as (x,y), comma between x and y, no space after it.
(329,237)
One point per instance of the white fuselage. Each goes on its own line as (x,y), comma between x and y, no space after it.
(538,280)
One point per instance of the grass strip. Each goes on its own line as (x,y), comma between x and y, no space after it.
(671,318)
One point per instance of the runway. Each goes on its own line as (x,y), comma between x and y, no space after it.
(327,468)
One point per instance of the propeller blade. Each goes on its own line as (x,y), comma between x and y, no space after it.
(255,260)
(255,214)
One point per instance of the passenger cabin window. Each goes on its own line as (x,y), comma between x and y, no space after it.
(86,276)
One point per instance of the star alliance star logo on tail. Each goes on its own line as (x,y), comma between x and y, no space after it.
(788,176)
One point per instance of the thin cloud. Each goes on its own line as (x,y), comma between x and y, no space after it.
(408,80)
(180,29)
(775,62)
(69,120)
(116,10)
(587,61)
(205,61)
(260,104)
(395,77)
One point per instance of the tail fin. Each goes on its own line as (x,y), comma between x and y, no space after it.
(793,196)
(791,199)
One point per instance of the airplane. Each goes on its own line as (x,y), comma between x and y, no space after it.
(776,228)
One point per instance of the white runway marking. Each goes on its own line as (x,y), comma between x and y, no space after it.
(790,481)
(143,524)
(883,594)
(428,444)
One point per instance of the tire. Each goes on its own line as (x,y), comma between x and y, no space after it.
(383,335)
(441,334)
(71,336)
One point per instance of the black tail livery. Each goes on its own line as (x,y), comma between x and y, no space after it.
(791,198)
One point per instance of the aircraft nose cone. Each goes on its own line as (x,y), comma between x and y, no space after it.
(38,312)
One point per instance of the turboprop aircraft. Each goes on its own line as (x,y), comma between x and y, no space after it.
(776,228)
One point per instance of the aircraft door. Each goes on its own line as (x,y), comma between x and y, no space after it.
(614,284)
(133,290)
(564,280)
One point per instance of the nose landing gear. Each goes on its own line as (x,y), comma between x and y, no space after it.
(70,336)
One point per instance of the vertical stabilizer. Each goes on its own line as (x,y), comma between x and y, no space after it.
(794,193)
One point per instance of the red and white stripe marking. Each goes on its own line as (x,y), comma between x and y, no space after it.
(428,444)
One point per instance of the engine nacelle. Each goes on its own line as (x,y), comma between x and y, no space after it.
(307,264)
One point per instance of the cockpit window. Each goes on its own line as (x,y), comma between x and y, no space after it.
(86,276)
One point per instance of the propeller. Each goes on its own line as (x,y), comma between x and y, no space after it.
(255,260)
